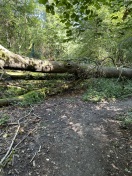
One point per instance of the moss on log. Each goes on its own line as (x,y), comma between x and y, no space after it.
(36,95)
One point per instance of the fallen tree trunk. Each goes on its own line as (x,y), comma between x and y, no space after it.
(9,60)
(8,77)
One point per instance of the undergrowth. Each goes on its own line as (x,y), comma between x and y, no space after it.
(126,120)
(26,92)
(102,89)
(3,119)
(33,97)
(97,89)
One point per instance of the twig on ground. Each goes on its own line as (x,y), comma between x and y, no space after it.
(36,115)
(11,145)
(11,148)
(24,138)
(33,157)
(35,154)
(26,114)
(11,124)
(17,146)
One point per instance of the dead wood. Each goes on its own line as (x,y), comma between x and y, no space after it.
(9,60)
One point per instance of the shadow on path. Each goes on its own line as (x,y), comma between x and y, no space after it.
(74,138)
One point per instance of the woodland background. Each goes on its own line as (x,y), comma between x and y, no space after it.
(79,32)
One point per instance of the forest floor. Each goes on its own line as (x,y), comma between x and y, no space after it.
(65,136)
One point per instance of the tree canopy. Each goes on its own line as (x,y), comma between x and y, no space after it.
(79,30)
(77,11)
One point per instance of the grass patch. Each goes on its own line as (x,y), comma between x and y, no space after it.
(33,97)
(27,92)
(33,91)
(107,89)
(14,91)
(21,87)
(126,120)
(4,119)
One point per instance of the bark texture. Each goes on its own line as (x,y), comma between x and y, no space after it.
(9,60)
(29,76)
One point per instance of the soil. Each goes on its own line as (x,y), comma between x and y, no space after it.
(65,136)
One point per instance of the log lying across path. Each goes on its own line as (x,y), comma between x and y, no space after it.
(9,60)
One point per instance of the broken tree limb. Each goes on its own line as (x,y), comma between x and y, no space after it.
(11,145)
(9,60)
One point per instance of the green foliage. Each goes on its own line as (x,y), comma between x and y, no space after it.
(82,10)
(33,97)
(107,89)
(126,120)
(78,29)
(31,91)
(13,91)
(4,119)
(16,24)
(125,50)
(25,23)
(53,36)
(96,29)
(103,38)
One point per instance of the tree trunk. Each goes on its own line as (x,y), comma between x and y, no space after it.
(9,60)
(28,76)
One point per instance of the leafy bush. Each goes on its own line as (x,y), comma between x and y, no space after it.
(33,97)
(4,119)
(105,89)
(14,91)
(126,120)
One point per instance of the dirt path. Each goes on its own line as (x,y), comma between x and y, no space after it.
(71,138)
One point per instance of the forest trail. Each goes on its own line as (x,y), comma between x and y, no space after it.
(70,137)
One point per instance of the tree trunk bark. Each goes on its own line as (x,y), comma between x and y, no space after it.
(9,60)
(29,76)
